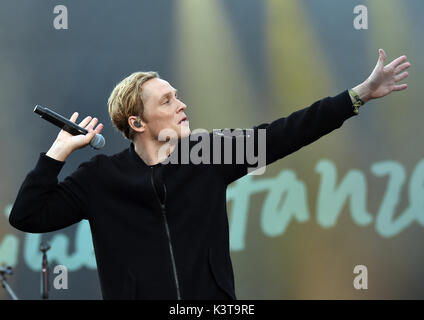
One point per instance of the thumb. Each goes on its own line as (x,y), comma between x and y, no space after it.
(381,57)
(90,135)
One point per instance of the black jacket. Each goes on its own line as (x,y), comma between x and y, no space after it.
(159,232)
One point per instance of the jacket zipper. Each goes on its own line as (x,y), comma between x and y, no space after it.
(171,251)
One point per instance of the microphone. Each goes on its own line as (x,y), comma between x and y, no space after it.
(6,270)
(97,142)
(44,247)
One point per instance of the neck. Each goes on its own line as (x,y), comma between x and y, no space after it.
(152,151)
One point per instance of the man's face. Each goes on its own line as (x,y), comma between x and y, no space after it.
(163,109)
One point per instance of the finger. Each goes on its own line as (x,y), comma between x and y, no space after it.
(401,76)
(90,135)
(92,123)
(402,67)
(400,87)
(99,128)
(84,122)
(74,117)
(396,62)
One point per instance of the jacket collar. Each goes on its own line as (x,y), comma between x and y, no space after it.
(140,162)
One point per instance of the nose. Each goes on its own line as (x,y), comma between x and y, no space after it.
(181,107)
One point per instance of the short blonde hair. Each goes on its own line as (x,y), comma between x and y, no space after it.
(125,101)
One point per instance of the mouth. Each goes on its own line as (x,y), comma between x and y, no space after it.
(183,121)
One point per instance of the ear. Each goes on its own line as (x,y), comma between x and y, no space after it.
(133,126)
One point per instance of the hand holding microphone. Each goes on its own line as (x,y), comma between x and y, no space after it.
(72,136)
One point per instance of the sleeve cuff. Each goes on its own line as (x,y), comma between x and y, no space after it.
(343,105)
(48,166)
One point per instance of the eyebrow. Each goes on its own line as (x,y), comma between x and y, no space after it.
(167,94)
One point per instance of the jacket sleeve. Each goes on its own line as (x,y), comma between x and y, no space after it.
(287,135)
(44,205)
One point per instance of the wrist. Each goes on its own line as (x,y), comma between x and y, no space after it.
(58,151)
(363,91)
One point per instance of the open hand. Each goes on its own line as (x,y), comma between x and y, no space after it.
(384,78)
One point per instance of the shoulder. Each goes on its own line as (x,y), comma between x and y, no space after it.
(102,159)
(118,160)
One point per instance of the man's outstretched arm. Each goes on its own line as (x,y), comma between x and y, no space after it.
(288,134)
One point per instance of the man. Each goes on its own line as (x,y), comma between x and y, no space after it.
(160,229)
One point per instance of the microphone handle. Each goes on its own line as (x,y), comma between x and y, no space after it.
(44,278)
(59,121)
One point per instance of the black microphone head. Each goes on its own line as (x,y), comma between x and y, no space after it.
(44,246)
(6,270)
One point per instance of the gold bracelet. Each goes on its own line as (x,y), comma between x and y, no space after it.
(357,103)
